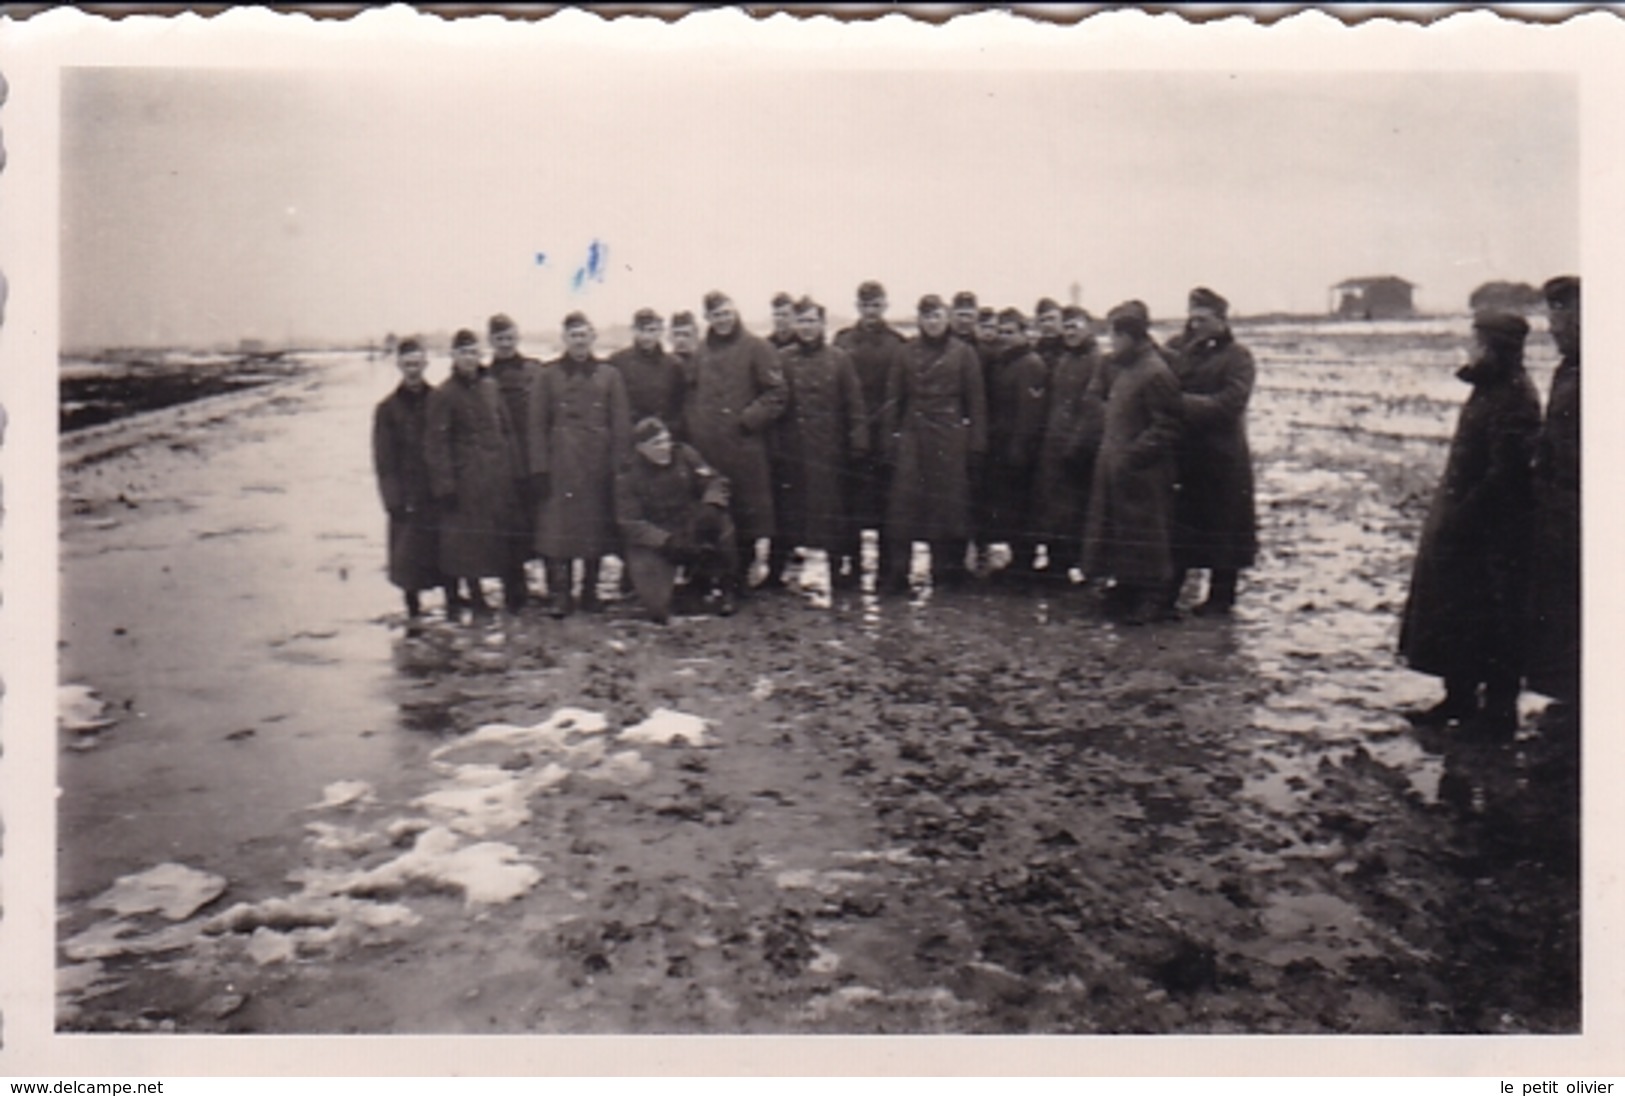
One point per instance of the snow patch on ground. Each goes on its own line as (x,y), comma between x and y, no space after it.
(173,890)
(664,726)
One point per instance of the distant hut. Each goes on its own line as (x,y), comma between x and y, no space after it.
(1380,298)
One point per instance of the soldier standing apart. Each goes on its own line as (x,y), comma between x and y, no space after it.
(474,470)
(1018,401)
(399,427)
(672,508)
(1132,498)
(823,429)
(515,376)
(580,438)
(1215,525)
(1066,462)
(1468,600)
(876,350)
(653,379)
(736,392)
(1554,650)
(938,424)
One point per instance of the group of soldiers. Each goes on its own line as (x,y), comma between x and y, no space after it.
(1121,467)
(1127,466)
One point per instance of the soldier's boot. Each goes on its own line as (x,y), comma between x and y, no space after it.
(514,589)
(589,585)
(1221,593)
(559,602)
(1460,702)
(851,577)
(1176,586)
(948,565)
(414,607)
(778,562)
(477,605)
(1498,720)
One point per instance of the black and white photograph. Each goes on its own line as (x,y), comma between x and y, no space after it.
(572,534)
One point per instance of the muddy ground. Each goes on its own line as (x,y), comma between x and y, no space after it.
(977,812)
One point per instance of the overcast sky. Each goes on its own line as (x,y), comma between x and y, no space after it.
(202,205)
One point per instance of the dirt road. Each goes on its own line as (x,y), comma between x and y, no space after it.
(974,813)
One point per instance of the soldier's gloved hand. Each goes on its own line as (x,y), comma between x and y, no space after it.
(708,526)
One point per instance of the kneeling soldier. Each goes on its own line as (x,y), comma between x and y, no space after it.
(672,508)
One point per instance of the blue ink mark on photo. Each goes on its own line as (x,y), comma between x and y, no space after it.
(541,258)
(594,268)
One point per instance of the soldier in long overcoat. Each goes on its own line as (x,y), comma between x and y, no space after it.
(1215,522)
(400,425)
(1468,599)
(685,344)
(938,413)
(1018,403)
(1554,626)
(876,350)
(737,391)
(1131,501)
(515,376)
(580,437)
(672,508)
(822,430)
(653,379)
(1072,431)
(474,471)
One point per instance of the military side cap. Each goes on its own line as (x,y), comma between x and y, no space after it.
(464,337)
(1130,316)
(646,317)
(807,304)
(408,346)
(1045,304)
(500,322)
(1012,315)
(682,319)
(964,299)
(783,300)
(648,429)
(1204,298)
(930,303)
(871,291)
(1562,290)
(1072,312)
(576,319)
(715,300)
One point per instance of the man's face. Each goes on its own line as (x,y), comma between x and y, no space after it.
(1204,323)
(988,331)
(1049,324)
(965,320)
(784,318)
(1122,341)
(809,326)
(723,318)
(1075,332)
(934,323)
(578,341)
(505,343)
(657,450)
(1011,336)
(1563,320)
(465,360)
(412,364)
(646,336)
(683,339)
(872,310)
